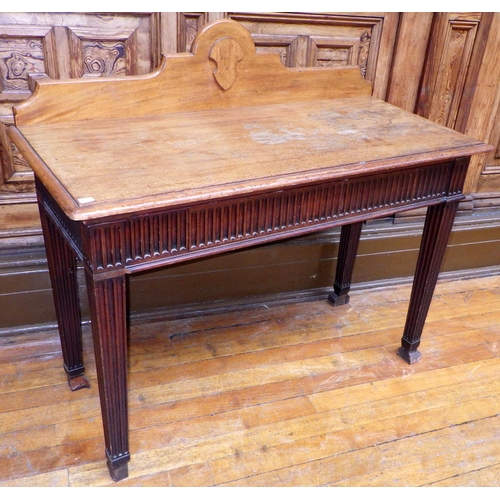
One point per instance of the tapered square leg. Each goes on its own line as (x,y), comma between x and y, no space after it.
(62,268)
(107,302)
(437,229)
(348,247)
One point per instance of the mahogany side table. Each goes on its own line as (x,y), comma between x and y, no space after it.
(220,149)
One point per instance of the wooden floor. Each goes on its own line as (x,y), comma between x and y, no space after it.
(295,395)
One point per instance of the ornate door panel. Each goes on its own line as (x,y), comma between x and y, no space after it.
(480,112)
(460,88)
(449,54)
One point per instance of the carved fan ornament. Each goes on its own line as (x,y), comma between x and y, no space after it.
(226,53)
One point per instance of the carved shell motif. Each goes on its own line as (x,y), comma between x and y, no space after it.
(226,53)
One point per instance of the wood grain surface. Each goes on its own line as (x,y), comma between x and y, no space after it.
(104,167)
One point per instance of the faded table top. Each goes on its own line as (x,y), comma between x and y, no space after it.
(118,165)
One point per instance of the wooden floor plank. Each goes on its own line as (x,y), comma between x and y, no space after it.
(424,459)
(295,395)
(351,428)
(54,478)
(483,477)
(393,461)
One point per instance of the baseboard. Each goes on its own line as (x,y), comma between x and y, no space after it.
(264,301)
(293,270)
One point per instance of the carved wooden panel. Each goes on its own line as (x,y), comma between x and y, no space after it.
(451,44)
(493,160)
(21,53)
(489,181)
(409,58)
(326,40)
(17,176)
(19,56)
(479,114)
(495,140)
(64,45)
(188,25)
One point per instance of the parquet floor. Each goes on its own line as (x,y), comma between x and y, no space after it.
(294,395)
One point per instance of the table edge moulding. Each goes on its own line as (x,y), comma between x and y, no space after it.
(221,148)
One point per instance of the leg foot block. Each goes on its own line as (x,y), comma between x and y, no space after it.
(118,468)
(338,300)
(118,473)
(409,356)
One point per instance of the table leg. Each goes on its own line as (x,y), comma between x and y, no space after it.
(62,269)
(437,229)
(348,247)
(107,302)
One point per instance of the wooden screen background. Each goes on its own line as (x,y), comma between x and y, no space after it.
(443,66)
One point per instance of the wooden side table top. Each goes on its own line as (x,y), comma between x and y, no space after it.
(106,167)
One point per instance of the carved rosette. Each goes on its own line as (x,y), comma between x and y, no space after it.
(18,58)
(104,58)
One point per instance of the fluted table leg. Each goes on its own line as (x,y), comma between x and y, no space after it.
(348,247)
(62,268)
(437,229)
(107,302)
